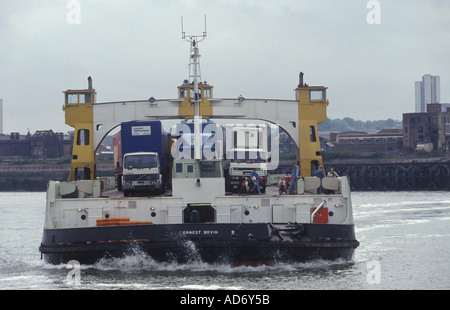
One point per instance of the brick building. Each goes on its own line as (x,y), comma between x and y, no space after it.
(432,126)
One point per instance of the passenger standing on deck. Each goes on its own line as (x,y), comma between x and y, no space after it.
(320,175)
(294,175)
(332,174)
(254,177)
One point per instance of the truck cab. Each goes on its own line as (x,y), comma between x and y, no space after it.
(141,172)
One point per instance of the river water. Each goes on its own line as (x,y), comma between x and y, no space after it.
(404,240)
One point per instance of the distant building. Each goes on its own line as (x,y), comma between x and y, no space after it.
(445,107)
(385,140)
(46,144)
(14,146)
(428,91)
(432,126)
(43,144)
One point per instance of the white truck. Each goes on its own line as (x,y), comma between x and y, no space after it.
(246,149)
(141,172)
(238,171)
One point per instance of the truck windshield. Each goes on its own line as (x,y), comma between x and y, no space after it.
(140,161)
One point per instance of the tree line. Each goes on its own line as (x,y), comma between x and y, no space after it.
(349,124)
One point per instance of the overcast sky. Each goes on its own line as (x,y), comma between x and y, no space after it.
(133,50)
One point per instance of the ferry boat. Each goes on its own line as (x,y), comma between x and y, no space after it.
(195,219)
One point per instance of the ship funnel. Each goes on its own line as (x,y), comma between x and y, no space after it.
(300,84)
(89,83)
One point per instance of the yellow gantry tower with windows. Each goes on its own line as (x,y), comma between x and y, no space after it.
(79,114)
(312,110)
(187,95)
(311,103)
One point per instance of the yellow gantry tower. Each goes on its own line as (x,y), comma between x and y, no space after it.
(312,110)
(187,95)
(78,108)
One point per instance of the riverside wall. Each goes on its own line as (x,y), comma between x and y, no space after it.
(36,177)
(397,174)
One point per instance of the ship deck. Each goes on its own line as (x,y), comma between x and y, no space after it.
(114,193)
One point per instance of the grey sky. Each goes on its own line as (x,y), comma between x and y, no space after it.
(133,50)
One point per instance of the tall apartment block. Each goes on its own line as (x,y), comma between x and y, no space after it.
(428,91)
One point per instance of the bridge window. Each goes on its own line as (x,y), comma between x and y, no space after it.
(76,98)
(85,98)
(183,92)
(207,93)
(317,94)
(179,167)
(210,169)
(191,93)
(72,98)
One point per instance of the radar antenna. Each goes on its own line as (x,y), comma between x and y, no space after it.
(195,75)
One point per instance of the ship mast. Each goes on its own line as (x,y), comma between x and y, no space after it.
(195,75)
